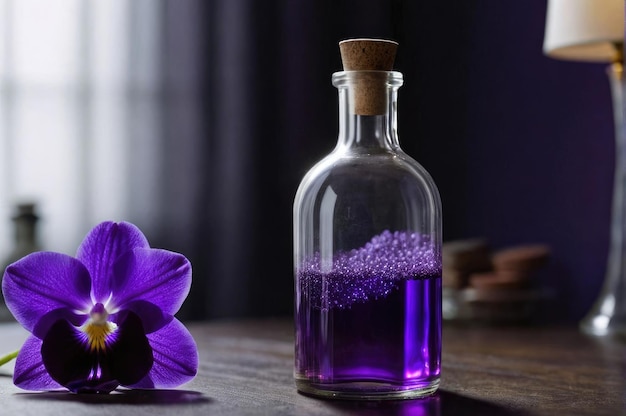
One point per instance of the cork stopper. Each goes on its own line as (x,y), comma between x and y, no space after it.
(370,91)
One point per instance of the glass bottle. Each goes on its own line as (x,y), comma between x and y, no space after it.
(25,233)
(367,253)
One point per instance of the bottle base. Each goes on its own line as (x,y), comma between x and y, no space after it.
(366,390)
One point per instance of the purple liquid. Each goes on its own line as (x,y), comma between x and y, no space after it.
(372,322)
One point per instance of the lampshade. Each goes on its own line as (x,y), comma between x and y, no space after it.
(584,30)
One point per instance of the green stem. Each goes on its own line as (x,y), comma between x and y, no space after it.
(5,359)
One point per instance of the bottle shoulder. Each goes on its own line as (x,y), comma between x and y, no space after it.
(389,165)
(392,168)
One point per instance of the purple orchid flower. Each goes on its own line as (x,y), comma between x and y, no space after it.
(104,318)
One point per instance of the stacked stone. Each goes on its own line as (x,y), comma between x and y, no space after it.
(512,268)
(461,259)
(469,263)
(495,288)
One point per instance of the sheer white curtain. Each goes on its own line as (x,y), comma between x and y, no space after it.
(80,131)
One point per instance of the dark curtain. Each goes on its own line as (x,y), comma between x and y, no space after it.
(249,108)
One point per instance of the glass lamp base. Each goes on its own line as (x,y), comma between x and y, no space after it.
(599,324)
(367,390)
(608,315)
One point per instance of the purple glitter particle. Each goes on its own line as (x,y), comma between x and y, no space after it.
(369,272)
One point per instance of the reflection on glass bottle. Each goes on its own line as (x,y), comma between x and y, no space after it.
(367,251)
(25,235)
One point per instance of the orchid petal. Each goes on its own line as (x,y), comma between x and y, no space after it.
(43,282)
(175,357)
(67,358)
(160,277)
(73,363)
(152,317)
(30,372)
(104,244)
(45,322)
(131,356)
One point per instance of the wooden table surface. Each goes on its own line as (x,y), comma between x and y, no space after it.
(246,369)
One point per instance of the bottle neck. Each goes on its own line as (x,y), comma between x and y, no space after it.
(367,110)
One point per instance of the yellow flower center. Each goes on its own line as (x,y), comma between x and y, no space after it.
(98,328)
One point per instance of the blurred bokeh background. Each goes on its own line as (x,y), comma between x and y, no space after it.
(197,119)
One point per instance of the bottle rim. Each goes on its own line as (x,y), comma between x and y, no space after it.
(345,78)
